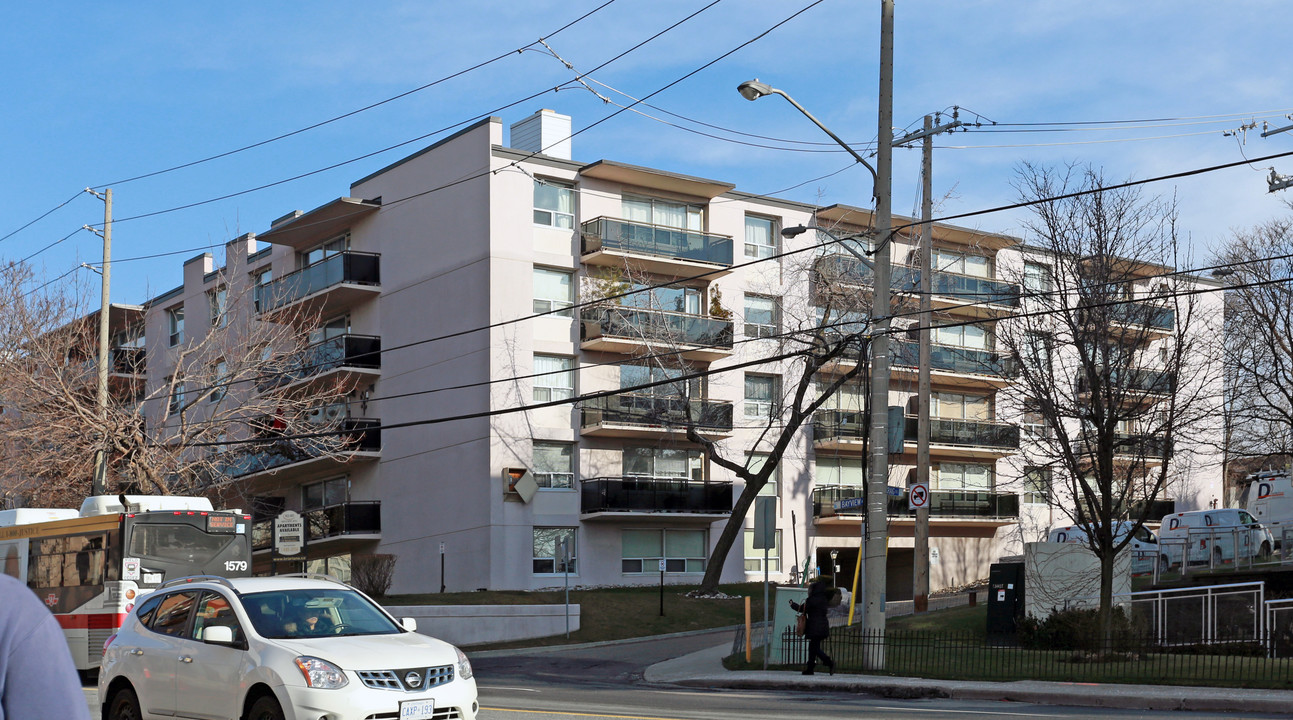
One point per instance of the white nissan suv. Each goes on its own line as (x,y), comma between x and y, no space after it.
(273,648)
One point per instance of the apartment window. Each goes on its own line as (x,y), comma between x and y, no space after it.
(175,324)
(554,465)
(553,292)
(261,280)
(634,376)
(663,463)
(683,551)
(966,336)
(653,211)
(1038,280)
(176,403)
(760,237)
(1036,351)
(217,302)
(323,494)
(848,398)
(220,381)
(838,471)
(761,395)
(554,379)
(773,487)
(554,204)
(323,251)
(1034,425)
(964,476)
(959,407)
(953,261)
(548,558)
(754,557)
(670,299)
(762,317)
(1037,485)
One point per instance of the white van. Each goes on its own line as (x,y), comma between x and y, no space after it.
(1216,536)
(1268,497)
(1143,546)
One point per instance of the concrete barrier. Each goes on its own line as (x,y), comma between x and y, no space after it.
(479,624)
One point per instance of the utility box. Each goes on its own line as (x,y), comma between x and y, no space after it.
(1005,598)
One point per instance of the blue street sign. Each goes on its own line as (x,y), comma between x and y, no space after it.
(894,491)
(849,504)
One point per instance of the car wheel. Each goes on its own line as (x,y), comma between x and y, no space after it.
(125,706)
(266,707)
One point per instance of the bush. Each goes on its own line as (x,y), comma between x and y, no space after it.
(372,574)
(1078,629)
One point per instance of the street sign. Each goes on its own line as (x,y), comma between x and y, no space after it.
(894,491)
(765,523)
(849,504)
(919,496)
(289,533)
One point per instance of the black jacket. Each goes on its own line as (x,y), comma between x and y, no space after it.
(815,606)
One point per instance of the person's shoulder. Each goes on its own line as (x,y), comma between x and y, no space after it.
(15,595)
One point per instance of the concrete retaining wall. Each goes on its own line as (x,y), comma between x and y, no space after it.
(479,624)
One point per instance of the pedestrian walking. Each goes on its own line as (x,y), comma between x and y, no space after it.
(37,676)
(817,628)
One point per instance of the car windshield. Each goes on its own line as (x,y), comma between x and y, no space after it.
(314,613)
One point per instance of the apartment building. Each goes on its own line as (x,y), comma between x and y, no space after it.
(658,296)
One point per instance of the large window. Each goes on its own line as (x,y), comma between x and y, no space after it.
(683,551)
(554,465)
(838,471)
(548,558)
(964,476)
(218,301)
(773,487)
(670,299)
(654,211)
(761,396)
(658,462)
(554,378)
(176,402)
(960,407)
(633,376)
(762,319)
(966,336)
(553,292)
(324,494)
(175,324)
(324,251)
(760,237)
(954,261)
(754,557)
(554,204)
(261,279)
(1038,280)
(1037,486)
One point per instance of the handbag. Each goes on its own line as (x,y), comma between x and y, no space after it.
(801,625)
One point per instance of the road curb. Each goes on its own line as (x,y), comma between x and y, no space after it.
(601,643)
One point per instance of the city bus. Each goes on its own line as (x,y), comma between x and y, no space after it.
(92,567)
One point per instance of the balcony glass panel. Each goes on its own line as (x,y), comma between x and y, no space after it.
(1144,314)
(942,503)
(348,267)
(949,358)
(839,424)
(976,433)
(354,518)
(356,351)
(1126,444)
(645,239)
(974,289)
(655,325)
(363,435)
(1143,381)
(655,495)
(656,410)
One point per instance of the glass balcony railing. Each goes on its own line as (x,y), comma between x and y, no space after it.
(1138,381)
(361,435)
(605,233)
(942,503)
(356,351)
(1142,314)
(348,267)
(839,425)
(645,410)
(616,321)
(974,433)
(852,271)
(655,495)
(953,359)
(1145,447)
(353,518)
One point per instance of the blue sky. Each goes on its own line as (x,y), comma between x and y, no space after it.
(100,93)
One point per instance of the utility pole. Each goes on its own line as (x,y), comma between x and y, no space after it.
(1276,181)
(877,529)
(99,485)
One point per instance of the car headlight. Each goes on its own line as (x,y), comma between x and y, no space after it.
(464,665)
(321,673)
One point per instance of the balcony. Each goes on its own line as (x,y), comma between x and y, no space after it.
(346,359)
(1129,447)
(654,248)
(952,365)
(839,430)
(631,497)
(325,288)
(955,439)
(943,504)
(363,441)
(634,331)
(960,294)
(634,415)
(1140,384)
(347,521)
(1140,320)
(127,361)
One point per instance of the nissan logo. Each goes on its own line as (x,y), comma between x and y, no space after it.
(412,679)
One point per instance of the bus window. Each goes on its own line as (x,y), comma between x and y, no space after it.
(176,543)
(172,615)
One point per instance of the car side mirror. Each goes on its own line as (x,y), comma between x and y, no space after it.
(218,635)
(410,624)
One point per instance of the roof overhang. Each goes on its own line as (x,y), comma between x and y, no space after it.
(863,218)
(320,223)
(655,179)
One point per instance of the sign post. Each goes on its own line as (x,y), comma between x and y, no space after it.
(661,587)
(565,569)
(765,536)
(442,567)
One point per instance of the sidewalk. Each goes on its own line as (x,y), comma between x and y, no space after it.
(705,669)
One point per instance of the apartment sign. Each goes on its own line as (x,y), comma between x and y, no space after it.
(289,533)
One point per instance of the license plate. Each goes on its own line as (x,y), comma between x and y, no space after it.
(417,710)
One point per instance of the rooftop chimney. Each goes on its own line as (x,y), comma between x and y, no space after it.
(546,132)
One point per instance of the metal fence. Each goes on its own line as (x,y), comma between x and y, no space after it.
(1194,615)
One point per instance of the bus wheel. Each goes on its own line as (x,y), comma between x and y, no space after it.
(265,708)
(125,706)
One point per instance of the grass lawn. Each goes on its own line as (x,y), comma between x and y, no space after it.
(615,613)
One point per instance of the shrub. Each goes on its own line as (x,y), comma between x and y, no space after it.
(372,574)
(1078,629)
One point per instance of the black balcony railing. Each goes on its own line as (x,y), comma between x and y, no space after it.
(353,518)
(942,503)
(839,425)
(953,359)
(1145,447)
(983,291)
(347,267)
(356,351)
(645,410)
(605,233)
(975,433)
(1154,382)
(615,321)
(360,435)
(655,495)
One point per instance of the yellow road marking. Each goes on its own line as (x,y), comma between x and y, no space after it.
(578,714)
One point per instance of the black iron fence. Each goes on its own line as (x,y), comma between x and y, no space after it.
(1126,659)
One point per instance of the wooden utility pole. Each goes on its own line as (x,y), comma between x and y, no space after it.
(920,594)
(99,486)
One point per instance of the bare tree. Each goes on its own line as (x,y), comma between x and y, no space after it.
(1114,353)
(240,393)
